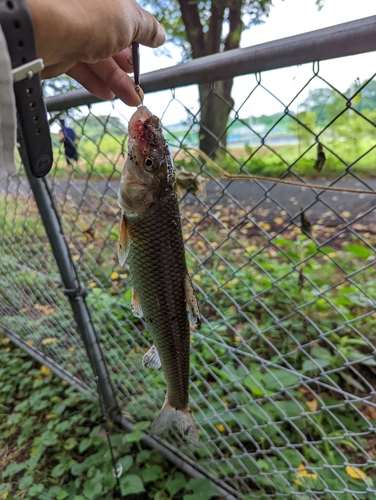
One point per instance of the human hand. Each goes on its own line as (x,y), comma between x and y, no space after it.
(89,40)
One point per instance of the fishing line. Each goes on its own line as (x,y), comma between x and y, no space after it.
(250,177)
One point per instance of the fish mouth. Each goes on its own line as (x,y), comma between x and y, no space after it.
(137,129)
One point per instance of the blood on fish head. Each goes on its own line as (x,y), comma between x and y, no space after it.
(136,127)
(148,171)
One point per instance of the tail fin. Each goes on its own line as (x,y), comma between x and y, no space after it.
(181,420)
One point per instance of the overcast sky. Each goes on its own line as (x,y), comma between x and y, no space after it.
(287,18)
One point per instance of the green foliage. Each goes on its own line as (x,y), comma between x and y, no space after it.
(59,85)
(204,18)
(248,402)
(49,464)
(347,138)
(200,489)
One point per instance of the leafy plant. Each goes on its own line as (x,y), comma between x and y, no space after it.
(54,446)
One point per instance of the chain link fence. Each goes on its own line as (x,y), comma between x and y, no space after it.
(283,370)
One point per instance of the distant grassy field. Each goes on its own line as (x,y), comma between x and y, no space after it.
(103,162)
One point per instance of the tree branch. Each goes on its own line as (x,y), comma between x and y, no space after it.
(213,36)
(193,26)
(236,25)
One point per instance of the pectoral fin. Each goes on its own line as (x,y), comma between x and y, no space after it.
(124,241)
(192,303)
(135,305)
(151,358)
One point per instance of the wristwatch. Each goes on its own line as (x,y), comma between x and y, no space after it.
(16,23)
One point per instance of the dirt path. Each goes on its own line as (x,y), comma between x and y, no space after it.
(261,200)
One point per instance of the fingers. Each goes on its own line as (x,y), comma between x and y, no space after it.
(88,79)
(107,79)
(124,60)
(117,80)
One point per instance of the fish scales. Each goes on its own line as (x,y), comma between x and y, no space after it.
(157,262)
(151,238)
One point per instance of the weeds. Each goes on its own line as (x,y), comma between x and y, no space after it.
(281,369)
(55,447)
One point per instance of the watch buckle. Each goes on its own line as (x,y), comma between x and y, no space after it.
(28,70)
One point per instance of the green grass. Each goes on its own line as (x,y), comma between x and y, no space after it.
(263,418)
(298,159)
(103,161)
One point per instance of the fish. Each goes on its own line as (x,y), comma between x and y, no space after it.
(151,239)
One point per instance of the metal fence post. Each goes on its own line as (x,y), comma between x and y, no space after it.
(71,284)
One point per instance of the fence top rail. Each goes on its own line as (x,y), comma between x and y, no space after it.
(351,38)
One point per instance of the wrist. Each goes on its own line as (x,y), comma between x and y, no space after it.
(56,29)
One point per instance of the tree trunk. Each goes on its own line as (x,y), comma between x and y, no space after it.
(215,104)
(215,99)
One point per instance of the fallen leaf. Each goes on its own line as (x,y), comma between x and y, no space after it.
(303,472)
(305,224)
(51,340)
(303,390)
(312,405)
(45,371)
(320,160)
(265,225)
(278,220)
(355,473)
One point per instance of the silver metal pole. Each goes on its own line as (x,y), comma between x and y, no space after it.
(355,37)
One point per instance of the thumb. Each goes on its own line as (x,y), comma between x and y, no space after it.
(148,31)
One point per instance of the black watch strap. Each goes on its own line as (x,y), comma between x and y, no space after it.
(16,23)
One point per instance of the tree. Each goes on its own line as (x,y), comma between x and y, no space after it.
(325,103)
(201,28)
(59,85)
(363,95)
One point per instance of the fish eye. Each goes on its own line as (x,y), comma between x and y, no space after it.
(149,163)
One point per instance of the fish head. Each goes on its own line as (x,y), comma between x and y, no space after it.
(149,172)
